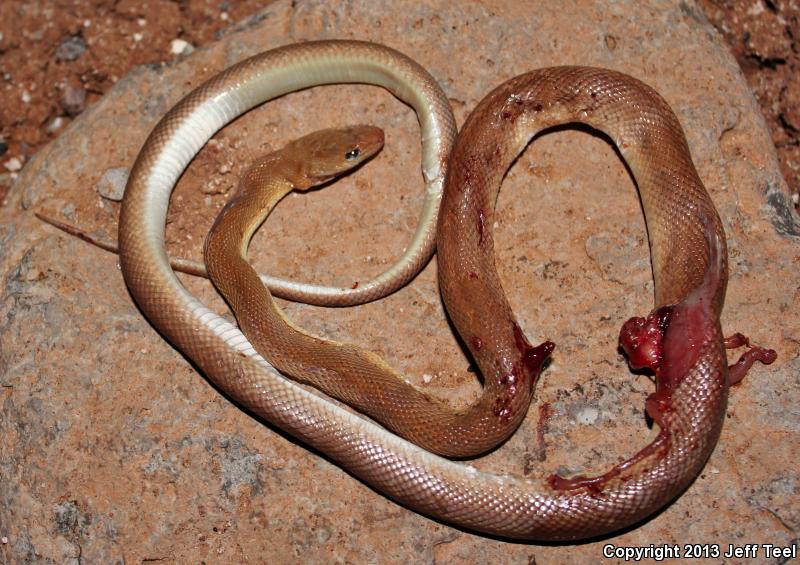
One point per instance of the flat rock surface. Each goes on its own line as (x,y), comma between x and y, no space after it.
(114,449)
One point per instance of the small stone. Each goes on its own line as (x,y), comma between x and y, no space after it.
(14,164)
(137,37)
(55,125)
(180,47)
(426,378)
(26,97)
(71,48)
(111,185)
(73,101)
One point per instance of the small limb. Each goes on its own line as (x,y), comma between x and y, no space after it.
(736,340)
(738,370)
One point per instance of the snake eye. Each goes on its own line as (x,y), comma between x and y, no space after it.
(353,154)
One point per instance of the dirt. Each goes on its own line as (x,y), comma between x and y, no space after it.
(764,36)
(57,58)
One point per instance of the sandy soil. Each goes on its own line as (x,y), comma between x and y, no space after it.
(57,58)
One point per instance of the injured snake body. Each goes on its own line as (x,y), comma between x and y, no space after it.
(681,341)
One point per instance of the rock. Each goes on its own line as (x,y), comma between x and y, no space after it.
(112,184)
(113,447)
(71,48)
(180,47)
(55,125)
(13,165)
(73,101)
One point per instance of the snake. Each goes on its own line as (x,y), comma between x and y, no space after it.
(680,341)
(346,372)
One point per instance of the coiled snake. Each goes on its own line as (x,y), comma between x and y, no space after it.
(681,341)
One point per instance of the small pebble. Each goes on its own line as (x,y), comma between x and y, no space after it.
(55,125)
(111,185)
(73,101)
(14,164)
(71,48)
(137,37)
(180,47)
(26,97)
(426,378)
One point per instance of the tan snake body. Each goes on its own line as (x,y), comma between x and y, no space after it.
(351,374)
(690,266)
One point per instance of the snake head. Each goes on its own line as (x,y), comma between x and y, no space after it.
(325,154)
